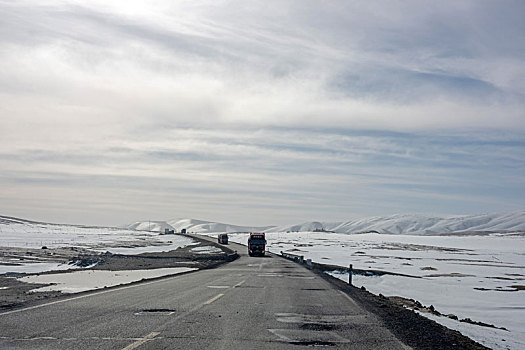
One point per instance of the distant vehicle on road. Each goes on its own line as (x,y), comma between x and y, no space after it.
(256,244)
(222,238)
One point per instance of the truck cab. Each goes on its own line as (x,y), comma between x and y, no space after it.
(256,244)
(222,238)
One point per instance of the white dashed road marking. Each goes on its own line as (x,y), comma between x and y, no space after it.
(239,284)
(141,341)
(213,299)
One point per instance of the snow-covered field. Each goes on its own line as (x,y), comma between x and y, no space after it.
(477,277)
(15,233)
(115,240)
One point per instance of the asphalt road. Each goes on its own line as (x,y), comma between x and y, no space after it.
(251,303)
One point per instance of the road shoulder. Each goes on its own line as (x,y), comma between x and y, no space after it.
(412,329)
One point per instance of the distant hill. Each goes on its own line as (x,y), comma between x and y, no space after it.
(413,224)
(155,226)
(192,225)
(410,224)
(416,224)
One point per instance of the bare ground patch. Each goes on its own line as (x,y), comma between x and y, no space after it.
(452,274)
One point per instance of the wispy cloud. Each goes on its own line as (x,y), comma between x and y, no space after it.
(292,109)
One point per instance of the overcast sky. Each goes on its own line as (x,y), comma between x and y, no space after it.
(260,112)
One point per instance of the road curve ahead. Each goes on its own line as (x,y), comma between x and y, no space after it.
(251,303)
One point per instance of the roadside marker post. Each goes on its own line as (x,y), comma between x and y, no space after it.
(350,274)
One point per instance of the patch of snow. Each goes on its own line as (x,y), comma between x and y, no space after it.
(84,280)
(35,267)
(496,339)
(206,250)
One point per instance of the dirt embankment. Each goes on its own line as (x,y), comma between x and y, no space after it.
(14,293)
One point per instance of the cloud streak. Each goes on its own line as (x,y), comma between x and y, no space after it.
(224,110)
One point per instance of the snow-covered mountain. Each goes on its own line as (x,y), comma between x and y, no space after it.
(417,224)
(192,225)
(413,224)
(155,226)
(204,226)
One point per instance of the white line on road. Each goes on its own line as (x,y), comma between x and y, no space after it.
(239,284)
(141,341)
(213,299)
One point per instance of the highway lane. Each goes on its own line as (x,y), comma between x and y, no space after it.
(251,303)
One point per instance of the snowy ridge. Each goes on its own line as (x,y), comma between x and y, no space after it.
(199,226)
(192,225)
(154,226)
(416,224)
(9,220)
(411,224)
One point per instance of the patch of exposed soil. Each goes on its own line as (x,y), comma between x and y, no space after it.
(501,278)
(494,265)
(482,233)
(14,293)
(11,256)
(513,288)
(428,268)
(452,274)
(420,247)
